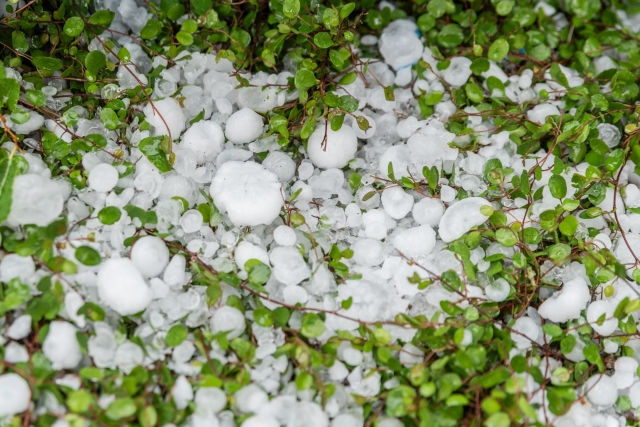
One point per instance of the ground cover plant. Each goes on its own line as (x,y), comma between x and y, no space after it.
(319,213)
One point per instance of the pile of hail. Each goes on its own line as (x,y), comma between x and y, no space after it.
(309,213)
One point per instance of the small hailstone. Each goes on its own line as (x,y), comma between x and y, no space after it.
(243,126)
(337,371)
(428,211)
(368,252)
(14,265)
(40,200)
(250,399)
(182,392)
(598,308)
(568,303)
(228,319)
(284,235)
(415,242)
(461,217)
(336,150)
(540,112)
(260,421)
(150,256)
(280,164)
(20,328)
(250,194)
(498,291)
(205,139)
(174,275)
(458,71)
(210,400)
(288,265)
(396,202)
(634,395)
(168,109)
(352,357)
(103,178)
(601,390)
(526,78)
(447,194)
(122,287)
(609,134)
(191,221)
(15,353)
(61,346)
(15,395)
(246,251)
(305,170)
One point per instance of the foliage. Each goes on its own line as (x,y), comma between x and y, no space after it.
(459,380)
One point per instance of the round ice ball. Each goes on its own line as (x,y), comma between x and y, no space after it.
(244,126)
(150,255)
(103,178)
(336,150)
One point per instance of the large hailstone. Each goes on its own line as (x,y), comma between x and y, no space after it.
(244,126)
(229,320)
(61,346)
(400,44)
(566,304)
(247,192)
(461,217)
(205,139)
(36,200)
(15,395)
(601,390)
(150,255)
(168,109)
(336,151)
(122,287)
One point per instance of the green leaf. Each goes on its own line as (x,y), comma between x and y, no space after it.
(184,38)
(176,335)
(109,118)
(102,18)
(36,97)
(9,93)
(19,42)
(121,408)
(323,40)
(148,416)
(151,29)
(109,215)
(88,256)
(304,80)
(291,8)
(559,251)
(151,148)
(558,186)
(73,26)
(312,325)
(258,272)
(437,8)
(498,50)
(47,64)
(569,225)
(552,330)
(450,36)
(10,167)
(558,75)
(480,65)
(95,61)
(399,400)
